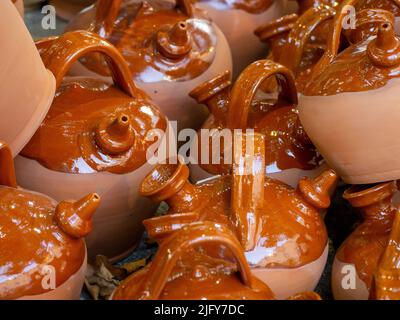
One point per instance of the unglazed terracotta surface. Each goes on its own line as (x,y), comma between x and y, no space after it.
(22,110)
(238,107)
(167,47)
(48,237)
(96,137)
(365,246)
(238,26)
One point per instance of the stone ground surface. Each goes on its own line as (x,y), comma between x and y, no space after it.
(340,219)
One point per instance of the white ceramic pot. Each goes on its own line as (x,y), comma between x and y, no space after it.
(27,87)
(238,26)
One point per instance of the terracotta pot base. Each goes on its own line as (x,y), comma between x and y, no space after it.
(304,278)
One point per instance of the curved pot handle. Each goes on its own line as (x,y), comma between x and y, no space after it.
(300,34)
(249,82)
(65,50)
(176,245)
(333,42)
(7,170)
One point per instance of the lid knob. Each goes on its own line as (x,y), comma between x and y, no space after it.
(317,191)
(384,50)
(175,43)
(75,218)
(115,137)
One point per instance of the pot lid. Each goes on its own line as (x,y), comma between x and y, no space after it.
(178,267)
(160,42)
(27,93)
(93,126)
(47,236)
(361,67)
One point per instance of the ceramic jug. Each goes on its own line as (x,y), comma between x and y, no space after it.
(96,137)
(349,107)
(289,153)
(237,20)
(180,271)
(279,227)
(43,254)
(357,260)
(168,48)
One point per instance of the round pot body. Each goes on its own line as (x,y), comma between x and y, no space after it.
(117,224)
(346,284)
(26,95)
(238,27)
(279,279)
(356,132)
(172,97)
(69,290)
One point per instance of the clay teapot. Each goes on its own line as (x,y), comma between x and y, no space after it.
(289,153)
(349,109)
(279,227)
(43,254)
(96,136)
(20,6)
(237,20)
(356,262)
(179,267)
(168,48)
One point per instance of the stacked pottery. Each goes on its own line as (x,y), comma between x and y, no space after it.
(168,48)
(23,103)
(290,155)
(43,254)
(349,107)
(357,260)
(237,20)
(178,268)
(280,228)
(96,136)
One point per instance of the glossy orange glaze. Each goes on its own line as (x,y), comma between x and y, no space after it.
(365,245)
(93,126)
(40,239)
(390,5)
(250,6)
(180,271)
(286,144)
(363,66)
(158,42)
(291,232)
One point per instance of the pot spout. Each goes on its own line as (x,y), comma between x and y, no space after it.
(75,218)
(248,187)
(7,171)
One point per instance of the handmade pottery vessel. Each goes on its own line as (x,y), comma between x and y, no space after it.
(27,88)
(279,227)
(179,267)
(97,137)
(43,254)
(237,20)
(290,155)
(20,6)
(168,48)
(387,278)
(349,107)
(357,259)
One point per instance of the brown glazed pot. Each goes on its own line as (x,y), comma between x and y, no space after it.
(279,227)
(181,271)
(363,249)
(349,108)
(289,153)
(96,136)
(168,47)
(43,254)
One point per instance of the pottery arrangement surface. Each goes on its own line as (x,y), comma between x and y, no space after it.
(293,104)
